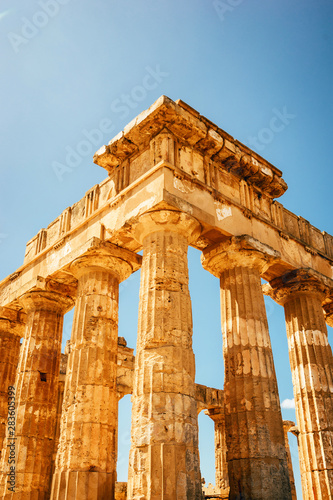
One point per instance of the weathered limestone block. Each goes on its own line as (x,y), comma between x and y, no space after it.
(294,430)
(221,464)
(164,458)
(12,325)
(208,397)
(257,460)
(287,426)
(87,452)
(302,293)
(36,391)
(120,491)
(61,388)
(125,368)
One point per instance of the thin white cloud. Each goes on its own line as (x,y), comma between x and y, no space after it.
(4,13)
(288,404)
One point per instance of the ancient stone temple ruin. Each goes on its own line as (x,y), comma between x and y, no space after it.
(174,179)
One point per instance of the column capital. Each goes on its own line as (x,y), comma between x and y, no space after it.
(289,425)
(167,220)
(164,365)
(108,257)
(12,321)
(91,399)
(298,281)
(238,251)
(328,310)
(216,414)
(49,294)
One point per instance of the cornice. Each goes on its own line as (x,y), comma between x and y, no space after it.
(189,127)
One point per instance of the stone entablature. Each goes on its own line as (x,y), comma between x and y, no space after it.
(208,397)
(185,129)
(271,211)
(197,161)
(31,277)
(170,156)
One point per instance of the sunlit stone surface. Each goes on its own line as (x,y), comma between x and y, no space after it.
(174,179)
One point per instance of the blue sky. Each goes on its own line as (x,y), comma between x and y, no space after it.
(69,65)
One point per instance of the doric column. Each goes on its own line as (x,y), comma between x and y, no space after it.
(256,454)
(61,388)
(302,293)
(287,426)
(164,457)
(87,453)
(221,464)
(12,325)
(36,392)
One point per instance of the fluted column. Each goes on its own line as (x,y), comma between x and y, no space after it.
(164,457)
(287,425)
(302,293)
(61,388)
(87,453)
(12,325)
(36,392)
(221,464)
(257,460)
